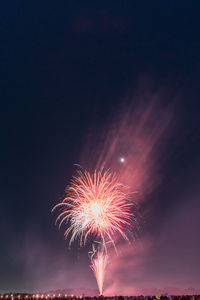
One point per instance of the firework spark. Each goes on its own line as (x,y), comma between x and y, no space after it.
(99,260)
(95,204)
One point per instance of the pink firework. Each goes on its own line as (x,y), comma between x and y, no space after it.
(95,204)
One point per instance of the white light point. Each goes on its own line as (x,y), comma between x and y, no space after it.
(122,160)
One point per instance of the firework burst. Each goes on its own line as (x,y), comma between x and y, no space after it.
(95,204)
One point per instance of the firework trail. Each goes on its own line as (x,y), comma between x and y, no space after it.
(99,260)
(95,204)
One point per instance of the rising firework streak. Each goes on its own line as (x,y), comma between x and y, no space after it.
(99,260)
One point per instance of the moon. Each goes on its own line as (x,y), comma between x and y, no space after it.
(122,160)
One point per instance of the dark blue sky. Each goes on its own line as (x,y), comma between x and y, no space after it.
(66,68)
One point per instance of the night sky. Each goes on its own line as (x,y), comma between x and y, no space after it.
(71,72)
